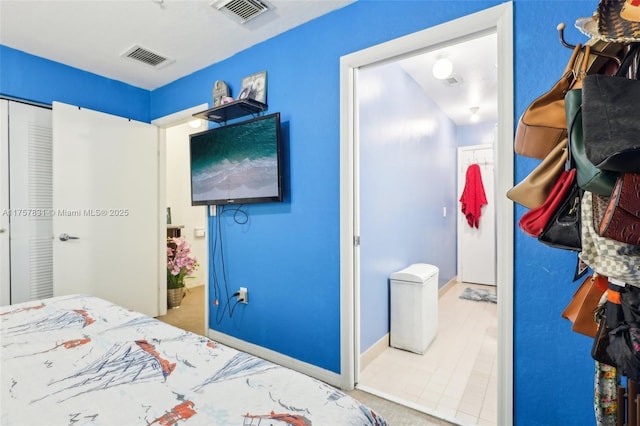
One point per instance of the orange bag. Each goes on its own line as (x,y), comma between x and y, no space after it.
(581,309)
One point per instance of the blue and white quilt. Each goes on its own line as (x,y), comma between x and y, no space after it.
(80,360)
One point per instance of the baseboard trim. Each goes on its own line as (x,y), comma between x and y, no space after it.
(189,287)
(374,351)
(276,357)
(448,286)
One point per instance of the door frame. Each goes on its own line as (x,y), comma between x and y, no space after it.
(163,123)
(499,19)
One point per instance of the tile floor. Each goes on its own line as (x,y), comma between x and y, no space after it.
(457,376)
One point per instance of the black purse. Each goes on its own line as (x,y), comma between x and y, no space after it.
(590,178)
(611,121)
(601,340)
(564,229)
(624,333)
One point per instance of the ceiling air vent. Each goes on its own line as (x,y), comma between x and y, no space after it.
(240,10)
(147,57)
(452,80)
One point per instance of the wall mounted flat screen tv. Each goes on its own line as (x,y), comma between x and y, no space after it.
(238,163)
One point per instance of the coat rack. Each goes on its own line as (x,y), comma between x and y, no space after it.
(561,26)
(628,398)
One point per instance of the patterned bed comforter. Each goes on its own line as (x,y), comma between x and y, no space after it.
(80,360)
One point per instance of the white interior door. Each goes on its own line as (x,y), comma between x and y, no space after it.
(105,195)
(477,246)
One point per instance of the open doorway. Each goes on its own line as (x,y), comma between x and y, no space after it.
(189,222)
(425,144)
(495,20)
(183,219)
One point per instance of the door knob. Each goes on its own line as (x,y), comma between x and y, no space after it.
(66,237)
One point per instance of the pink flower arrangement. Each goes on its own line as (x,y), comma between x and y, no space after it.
(179,262)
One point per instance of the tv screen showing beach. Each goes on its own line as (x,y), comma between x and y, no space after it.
(237,164)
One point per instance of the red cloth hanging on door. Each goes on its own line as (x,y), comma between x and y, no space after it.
(473,196)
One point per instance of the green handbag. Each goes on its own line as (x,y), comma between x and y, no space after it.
(589,177)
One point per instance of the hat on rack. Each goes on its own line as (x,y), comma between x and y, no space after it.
(616,21)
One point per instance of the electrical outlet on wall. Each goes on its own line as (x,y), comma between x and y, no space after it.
(243,295)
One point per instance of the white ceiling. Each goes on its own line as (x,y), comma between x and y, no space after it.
(92,35)
(475,71)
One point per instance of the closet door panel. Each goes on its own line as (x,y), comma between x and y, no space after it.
(105,194)
(30,212)
(5,283)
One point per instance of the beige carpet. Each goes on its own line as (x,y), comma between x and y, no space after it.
(190,316)
(396,414)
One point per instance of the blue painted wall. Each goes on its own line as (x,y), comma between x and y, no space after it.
(288,254)
(39,80)
(303,233)
(407,175)
(553,366)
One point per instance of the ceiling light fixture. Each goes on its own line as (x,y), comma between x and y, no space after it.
(475,117)
(442,69)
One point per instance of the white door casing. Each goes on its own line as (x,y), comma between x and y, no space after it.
(500,19)
(105,196)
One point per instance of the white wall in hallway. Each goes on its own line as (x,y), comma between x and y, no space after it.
(179,197)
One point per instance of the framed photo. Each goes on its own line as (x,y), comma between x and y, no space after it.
(255,87)
(220,91)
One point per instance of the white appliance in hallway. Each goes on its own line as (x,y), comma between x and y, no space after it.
(477,246)
(414,307)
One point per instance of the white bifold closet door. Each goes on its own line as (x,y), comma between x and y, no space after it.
(27,238)
(107,226)
(94,177)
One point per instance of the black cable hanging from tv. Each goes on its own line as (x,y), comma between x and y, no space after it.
(223,302)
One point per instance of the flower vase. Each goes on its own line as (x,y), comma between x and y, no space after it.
(174,297)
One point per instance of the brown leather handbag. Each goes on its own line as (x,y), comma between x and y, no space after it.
(621,219)
(534,189)
(581,309)
(543,125)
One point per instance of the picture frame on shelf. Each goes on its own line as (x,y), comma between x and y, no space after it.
(220,91)
(254,87)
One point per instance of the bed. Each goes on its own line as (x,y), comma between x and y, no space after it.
(81,360)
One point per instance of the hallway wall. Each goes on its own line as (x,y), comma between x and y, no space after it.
(407,177)
(179,199)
